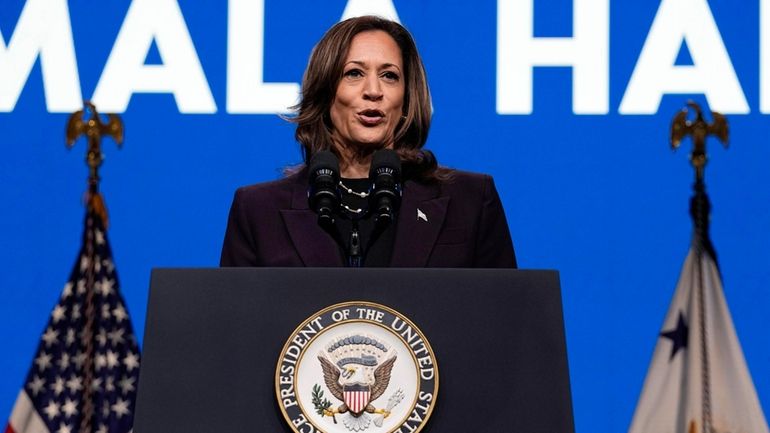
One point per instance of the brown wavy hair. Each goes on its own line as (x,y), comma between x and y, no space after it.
(319,87)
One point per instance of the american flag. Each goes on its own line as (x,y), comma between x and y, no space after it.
(84,375)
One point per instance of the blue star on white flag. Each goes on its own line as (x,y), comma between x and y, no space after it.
(698,375)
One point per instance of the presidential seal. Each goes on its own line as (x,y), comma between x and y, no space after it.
(357,367)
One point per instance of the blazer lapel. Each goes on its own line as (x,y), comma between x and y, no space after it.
(316,248)
(419,223)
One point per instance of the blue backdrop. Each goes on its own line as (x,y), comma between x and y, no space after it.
(591,192)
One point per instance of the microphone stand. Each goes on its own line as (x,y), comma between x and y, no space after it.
(353,247)
(355,250)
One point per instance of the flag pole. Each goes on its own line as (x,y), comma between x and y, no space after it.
(93,128)
(698,380)
(700,210)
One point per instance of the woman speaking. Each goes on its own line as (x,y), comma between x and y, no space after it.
(368,193)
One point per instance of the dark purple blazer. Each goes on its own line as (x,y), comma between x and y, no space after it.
(270,224)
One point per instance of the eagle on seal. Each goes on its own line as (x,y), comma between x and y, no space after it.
(356,395)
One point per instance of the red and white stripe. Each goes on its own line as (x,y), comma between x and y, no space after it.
(357,400)
(24,418)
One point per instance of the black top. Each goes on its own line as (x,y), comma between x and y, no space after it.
(376,243)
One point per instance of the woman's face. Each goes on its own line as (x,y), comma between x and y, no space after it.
(370,96)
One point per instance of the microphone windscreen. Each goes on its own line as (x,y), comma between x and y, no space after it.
(385,158)
(323,196)
(324,159)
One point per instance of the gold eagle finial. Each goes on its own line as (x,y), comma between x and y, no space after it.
(699,130)
(94,129)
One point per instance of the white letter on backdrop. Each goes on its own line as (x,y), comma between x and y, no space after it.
(247,92)
(587,52)
(656,73)
(380,8)
(43,29)
(180,74)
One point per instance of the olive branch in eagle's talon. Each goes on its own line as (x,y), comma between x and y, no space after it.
(321,404)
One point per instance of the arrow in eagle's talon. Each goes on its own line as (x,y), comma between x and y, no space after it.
(393,401)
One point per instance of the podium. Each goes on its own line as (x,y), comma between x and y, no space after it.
(213,338)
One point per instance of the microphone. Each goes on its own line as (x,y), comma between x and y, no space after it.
(385,175)
(323,195)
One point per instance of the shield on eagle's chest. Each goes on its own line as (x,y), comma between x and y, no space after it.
(356,397)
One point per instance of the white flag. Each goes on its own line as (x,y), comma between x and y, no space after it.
(684,389)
